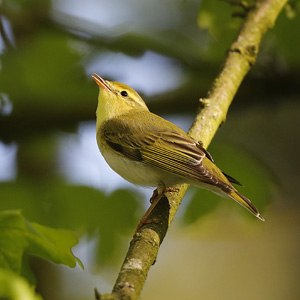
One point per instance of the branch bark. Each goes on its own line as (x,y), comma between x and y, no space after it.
(212,113)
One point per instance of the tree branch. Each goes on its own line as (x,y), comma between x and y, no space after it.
(241,56)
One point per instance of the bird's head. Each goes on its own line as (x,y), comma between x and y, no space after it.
(116,98)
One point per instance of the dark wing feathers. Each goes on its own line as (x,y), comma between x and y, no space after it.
(232,180)
(164,147)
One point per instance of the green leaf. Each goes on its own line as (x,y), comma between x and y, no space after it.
(104,217)
(19,238)
(14,287)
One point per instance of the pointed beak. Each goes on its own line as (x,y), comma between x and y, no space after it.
(103,84)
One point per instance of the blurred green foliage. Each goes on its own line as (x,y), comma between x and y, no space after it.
(16,287)
(45,55)
(19,238)
(216,17)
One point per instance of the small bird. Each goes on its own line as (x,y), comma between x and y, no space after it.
(150,151)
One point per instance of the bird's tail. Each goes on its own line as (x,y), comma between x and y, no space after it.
(239,198)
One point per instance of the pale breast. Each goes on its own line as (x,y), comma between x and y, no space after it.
(133,171)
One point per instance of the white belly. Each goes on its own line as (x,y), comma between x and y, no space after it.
(133,171)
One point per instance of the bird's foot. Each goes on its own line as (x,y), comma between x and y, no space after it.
(155,193)
(156,196)
(172,189)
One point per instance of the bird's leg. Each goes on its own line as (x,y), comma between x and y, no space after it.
(156,196)
(171,189)
(155,192)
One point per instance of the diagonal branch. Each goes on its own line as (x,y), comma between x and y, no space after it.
(241,56)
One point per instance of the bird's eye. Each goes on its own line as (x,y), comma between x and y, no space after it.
(124,93)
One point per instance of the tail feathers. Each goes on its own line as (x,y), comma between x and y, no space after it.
(235,195)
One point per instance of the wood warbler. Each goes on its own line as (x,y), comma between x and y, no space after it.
(148,150)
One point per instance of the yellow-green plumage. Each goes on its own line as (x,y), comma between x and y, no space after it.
(148,150)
